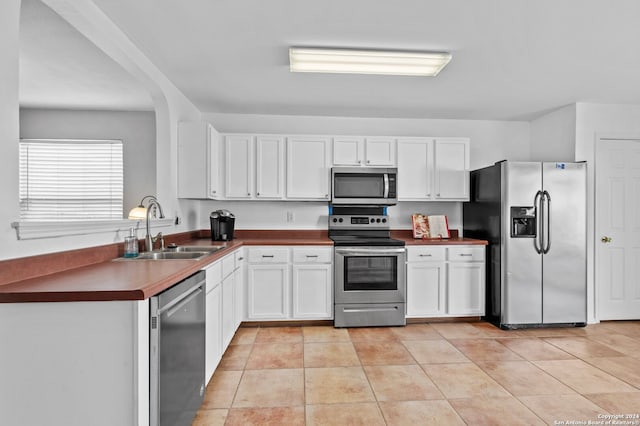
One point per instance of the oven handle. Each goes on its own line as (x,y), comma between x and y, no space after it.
(369,250)
(386,185)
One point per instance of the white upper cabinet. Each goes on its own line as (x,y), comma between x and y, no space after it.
(360,151)
(415,165)
(380,152)
(308,167)
(451,171)
(238,154)
(433,169)
(198,160)
(348,151)
(270,167)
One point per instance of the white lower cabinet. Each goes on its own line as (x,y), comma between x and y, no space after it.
(223,307)
(268,291)
(426,287)
(312,291)
(289,283)
(213,325)
(445,281)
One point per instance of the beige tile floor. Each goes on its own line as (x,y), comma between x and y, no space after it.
(426,374)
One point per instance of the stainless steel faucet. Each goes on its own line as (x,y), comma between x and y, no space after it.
(148,239)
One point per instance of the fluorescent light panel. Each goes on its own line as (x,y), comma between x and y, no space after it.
(304,59)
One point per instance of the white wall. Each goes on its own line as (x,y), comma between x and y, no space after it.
(553,135)
(170,104)
(136,130)
(491,141)
(314,215)
(592,122)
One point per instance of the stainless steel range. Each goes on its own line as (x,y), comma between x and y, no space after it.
(369,268)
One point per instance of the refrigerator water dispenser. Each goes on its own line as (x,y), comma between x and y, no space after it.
(523,222)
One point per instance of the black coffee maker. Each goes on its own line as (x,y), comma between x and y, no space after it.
(222,224)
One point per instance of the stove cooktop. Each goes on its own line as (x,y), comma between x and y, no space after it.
(357,240)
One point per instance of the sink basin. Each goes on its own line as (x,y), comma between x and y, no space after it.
(179,249)
(177,253)
(165,255)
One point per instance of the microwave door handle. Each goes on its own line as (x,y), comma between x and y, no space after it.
(386,185)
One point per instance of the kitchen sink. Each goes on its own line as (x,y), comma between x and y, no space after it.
(165,255)
(179,249)
(177,253)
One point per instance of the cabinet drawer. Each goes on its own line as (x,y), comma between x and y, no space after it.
(425,253)
(312,254)
(268,255)
(466,254)
(228,265)
(213,275)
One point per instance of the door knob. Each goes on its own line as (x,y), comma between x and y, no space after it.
(605,239)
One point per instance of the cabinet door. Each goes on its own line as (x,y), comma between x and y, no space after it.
(451,169)
(239,299)
(425,289)
(238,166)
(198,160)
(466,283)
(348,151)
(268,291)
(213,326)
(312,291)
(269,167)
(213,167)
(415,169)
(308,168)
(228,308)
(380,151)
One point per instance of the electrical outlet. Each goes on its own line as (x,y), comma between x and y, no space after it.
(290,216)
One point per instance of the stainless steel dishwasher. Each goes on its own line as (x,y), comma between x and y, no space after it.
(177,351)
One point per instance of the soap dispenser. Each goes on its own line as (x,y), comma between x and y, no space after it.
(131,244)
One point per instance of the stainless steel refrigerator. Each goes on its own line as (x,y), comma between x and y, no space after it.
(534,217)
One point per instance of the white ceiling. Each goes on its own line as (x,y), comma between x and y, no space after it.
(512,59)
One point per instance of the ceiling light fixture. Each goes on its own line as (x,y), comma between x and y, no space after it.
(310,59)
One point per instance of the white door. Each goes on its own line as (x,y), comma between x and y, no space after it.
(238,166)
(451,169)
(617,237)
(312,287)
(270,167)
(415,169)
(308,168)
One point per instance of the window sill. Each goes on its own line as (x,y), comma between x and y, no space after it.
(35,230)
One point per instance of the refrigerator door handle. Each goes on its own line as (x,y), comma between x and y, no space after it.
(547,226)
(537,203)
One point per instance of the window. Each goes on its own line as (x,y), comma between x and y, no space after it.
(71,180)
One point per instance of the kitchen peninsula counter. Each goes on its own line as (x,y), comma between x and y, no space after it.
(108,277)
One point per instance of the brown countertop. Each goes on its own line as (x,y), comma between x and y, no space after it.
(407,237)
(102,276)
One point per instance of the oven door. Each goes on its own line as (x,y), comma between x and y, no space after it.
(369,274)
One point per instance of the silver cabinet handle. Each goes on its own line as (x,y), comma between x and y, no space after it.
(465,254)
(267,255)
(312,256)
(606,239)
(426,255)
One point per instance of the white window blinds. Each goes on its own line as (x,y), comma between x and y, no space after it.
(71,180)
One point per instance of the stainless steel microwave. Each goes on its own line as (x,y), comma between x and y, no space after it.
(364,186)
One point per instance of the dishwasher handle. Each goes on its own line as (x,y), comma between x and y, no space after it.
(176,304)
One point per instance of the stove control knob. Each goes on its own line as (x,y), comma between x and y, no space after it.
(335,220)
(384,220)
(378,220)
(372,220)
(340,220)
